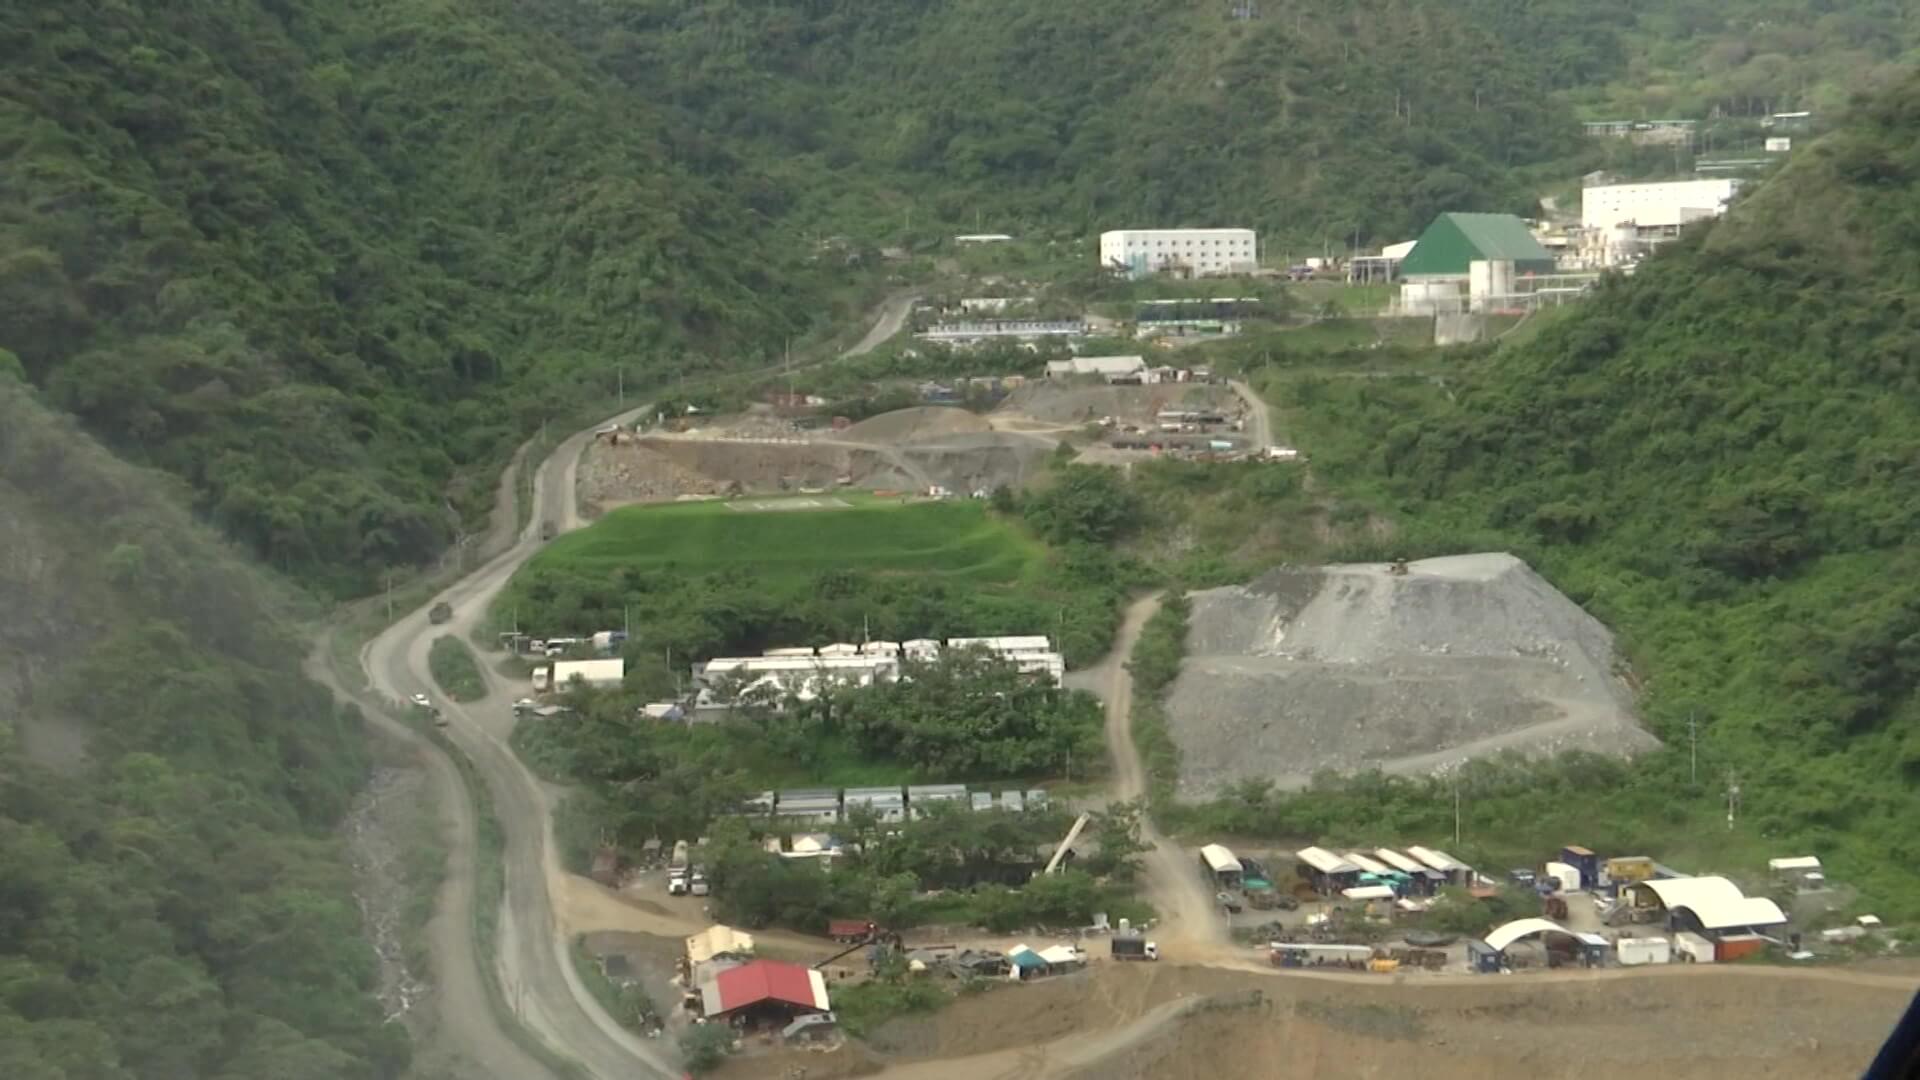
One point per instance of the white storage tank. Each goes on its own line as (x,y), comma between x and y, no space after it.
(1647,950)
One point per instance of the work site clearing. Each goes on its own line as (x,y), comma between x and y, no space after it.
(1406,667)
(917,450)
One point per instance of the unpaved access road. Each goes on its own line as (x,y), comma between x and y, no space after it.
(1259,421)
(533,963)
(1185,907)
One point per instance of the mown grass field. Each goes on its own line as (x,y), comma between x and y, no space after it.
(788,542)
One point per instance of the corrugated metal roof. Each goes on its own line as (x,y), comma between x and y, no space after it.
(1220,860)
(1398,861)
(1325,861)
(1369,892)
(764,980)
(1438,860)
(1364,863)
(1455,240)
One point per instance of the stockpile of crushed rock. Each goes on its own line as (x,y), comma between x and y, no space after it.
(1353,667)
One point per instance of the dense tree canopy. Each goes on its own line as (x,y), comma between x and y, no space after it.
(172,903)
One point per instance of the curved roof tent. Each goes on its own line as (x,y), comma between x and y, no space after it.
(1715,901)
(1502,936)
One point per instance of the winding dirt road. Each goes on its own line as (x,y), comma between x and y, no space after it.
(533,964)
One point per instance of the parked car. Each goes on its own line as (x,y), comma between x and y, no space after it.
(440,613)
(422,701)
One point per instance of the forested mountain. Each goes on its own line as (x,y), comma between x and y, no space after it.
(1721,455)
(173,904)
(1310,122)
(328,261)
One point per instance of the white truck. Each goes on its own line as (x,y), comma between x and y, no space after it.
(678,867)
(1130,947)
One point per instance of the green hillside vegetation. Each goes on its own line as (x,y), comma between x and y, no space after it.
(1716,456)
(328,263)
(703,579)
(895,118)
(173,901)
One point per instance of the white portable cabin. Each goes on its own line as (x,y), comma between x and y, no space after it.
(1690,947)
(1646,950)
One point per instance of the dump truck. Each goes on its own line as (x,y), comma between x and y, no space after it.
(677,867)
(1135,948)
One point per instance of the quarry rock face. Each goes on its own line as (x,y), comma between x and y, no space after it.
(1354,667)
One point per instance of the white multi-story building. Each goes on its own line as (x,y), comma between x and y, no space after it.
(1197,252)
(1654,210)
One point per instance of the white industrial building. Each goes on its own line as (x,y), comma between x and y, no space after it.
(1193,252)
(1655,210)
(595,673)
(807,673)
(1111,368)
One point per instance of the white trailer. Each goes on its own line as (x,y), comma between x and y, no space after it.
(1643,950)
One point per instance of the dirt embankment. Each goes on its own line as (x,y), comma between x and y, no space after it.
(1350,667)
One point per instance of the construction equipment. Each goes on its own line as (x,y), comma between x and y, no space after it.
(1128,947)
(1397,568)
(1066,845)
(1383,965)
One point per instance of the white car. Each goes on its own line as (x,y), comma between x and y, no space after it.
(421,700)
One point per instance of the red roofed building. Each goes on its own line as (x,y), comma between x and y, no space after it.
(764,992)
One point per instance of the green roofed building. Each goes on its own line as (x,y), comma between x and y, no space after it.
(1454,241)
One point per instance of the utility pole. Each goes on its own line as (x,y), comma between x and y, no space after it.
(389,580)
(1456,811)
(1733,798)
(620,384)
(1693,750)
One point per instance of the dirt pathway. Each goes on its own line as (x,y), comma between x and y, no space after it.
(1186,910)
(1259,420)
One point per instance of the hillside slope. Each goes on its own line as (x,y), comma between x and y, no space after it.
(1308,123)
(172,901)
(328,262)
(1720,456)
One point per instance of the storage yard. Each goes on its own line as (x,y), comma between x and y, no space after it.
(1357,666)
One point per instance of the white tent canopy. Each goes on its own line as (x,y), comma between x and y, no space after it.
(1797,862)
(1502,936)
(1368,892)
(1715,901)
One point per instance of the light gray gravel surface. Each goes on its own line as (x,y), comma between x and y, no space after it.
(1351,667)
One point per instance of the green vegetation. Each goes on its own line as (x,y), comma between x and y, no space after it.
(328,264)
(705,1046)
(456,670)
(892,992)
(1709,456)
(177,903)
(926,120)
(696,580)
(628,1005)
(791,544)
(962,717)
(1154,665)
(944,867)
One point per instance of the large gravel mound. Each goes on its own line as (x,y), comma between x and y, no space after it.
(916,424)
(1351,667)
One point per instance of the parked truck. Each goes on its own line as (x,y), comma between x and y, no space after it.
(1135,948)
(677,868)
